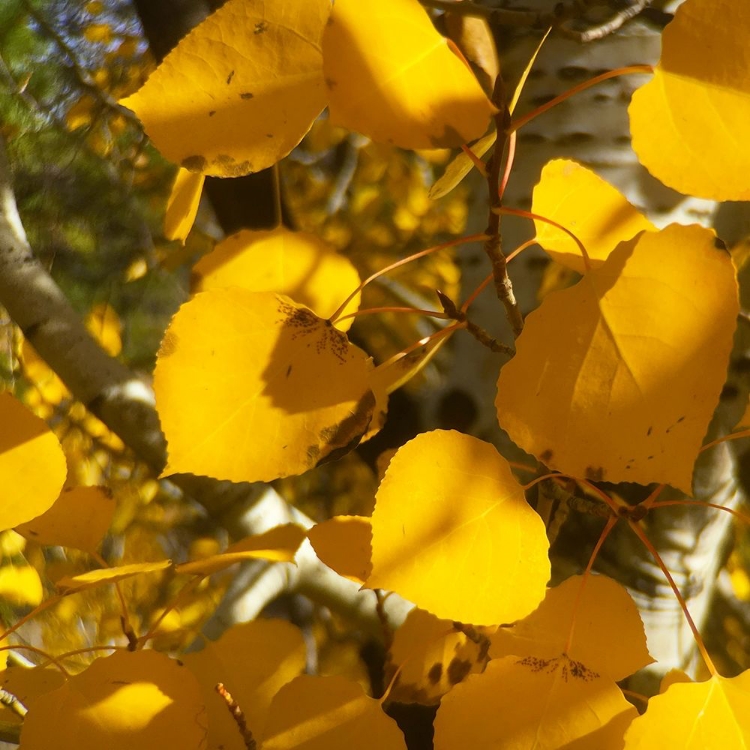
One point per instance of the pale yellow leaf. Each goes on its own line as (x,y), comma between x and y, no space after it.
(182,204)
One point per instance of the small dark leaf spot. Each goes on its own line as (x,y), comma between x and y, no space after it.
(260,27)
(212,113)
(546,456)
(31,532)
(246,95)
(195,163)
(649,458)
(305,323)
(179,663)
(595,474)
(435,673)
(288,371)
(579,671)
(229,78)
(457,670)
(269,135)
(538,665)
(168,344)
(681,419)
(649,431)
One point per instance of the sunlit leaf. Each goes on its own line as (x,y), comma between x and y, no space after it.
(251,387)
(343,543)
(597,616)
(564,189)
(241,90)
(79,518)
(691,122)
(533,704)
(182,205)
(460,166)
(71,584)
(616,378)
(32,464)
(433,657)
(453,533)
(253,660)
(709,715)
(20,585)
(276,545)
(328,713)
(139,699)
(392,77)
(297,264)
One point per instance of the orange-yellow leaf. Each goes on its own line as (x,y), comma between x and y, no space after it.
(32,464)
(328,713)
(297,264)
(711,715)
(616,378)
(691,122)
(182,204)
(453,533)
(139,699)
(343,543)
(79,518)
(27,685)
(392,77)
(240,91)
(251,387)
(582,202)
(534,704)
(72,584)
(433,657)
(277,545)
(601,615)
(253,660)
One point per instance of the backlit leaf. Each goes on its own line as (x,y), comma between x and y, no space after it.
(460,166)
(691,122)
(344,543)
(616,378)
(182,205)
(393,78)
(604,615)
(328,713)
(453,533)
(709,715)
(32,464)
(20,585)
(533,704)
(240,91)
(276,545)
(27,685)
(253,660)
(297,264)
(433,657)
(564,189)
(251,387)
(79,518)
(71,584)
(139,699)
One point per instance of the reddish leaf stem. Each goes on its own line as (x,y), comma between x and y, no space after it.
(613,506)
(683,605)
(476,161)
(476,292)
(374,310)
(521,248)
(725,438)
(630,69)
(509,159)
(417,344)
(652,498)
(49,659)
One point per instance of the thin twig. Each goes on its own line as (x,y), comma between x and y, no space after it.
(612,24)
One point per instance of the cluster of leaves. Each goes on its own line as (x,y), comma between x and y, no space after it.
(256,380)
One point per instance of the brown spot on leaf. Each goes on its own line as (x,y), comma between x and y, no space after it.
(229,78)
(246,95)
(212,113)
(595,473)
(195,163)
(260,27)
(649,431)
(435,673)
(168,344)
(546,456)
(578,671)
(457,670)
(345,436)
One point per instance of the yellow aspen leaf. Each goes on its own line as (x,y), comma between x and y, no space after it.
(20,585)
(72,584)
(182,204)
(453,533)
(616,378)
(251,387)
(105,326)
(460,166)
(328,713)
(608,219)
(297,264)
(79,518)
(132,699)
(27,685)
(276,545)
(393,78)
(343,543)
(253,660)
(433,657)
(534,704)
(709,715)
(673,677)
(32,464)
(691,123)
(608,634)
(240,91)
